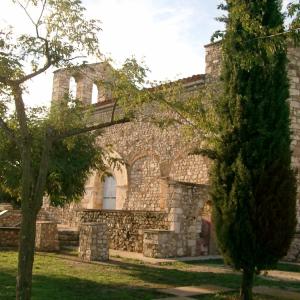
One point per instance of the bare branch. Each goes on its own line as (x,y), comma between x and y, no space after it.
(26,12)
(178,112)
(75,57)
(42,12)
(275,34)
(4,92)
(77,131)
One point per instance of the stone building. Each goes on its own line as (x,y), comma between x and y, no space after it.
(157,202)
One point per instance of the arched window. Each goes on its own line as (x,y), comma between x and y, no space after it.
(94,94)
(109,193)
(72,87)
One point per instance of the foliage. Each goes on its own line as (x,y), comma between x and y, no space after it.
(71,159)
(242,123)
(253,185)
(41,150)
(293,12)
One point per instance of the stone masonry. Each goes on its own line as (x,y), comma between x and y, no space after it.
(93,242)
(46,238)
(184,204)
(159,174)
(126,228)
(10,221)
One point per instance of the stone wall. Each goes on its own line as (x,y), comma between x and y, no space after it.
(85,78)
(151,153)
(67,215)
(9,237)
(148,152)
(294,76)
(191,168)
(126,228)
(144,186)
(46,230)
(213,57)
(10,218)
(159,243)
(184,205)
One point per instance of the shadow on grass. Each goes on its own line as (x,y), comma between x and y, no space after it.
(158,275)
(138,282)
(67,288)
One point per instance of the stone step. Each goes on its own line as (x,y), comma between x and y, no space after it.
(68,243)
(68,237)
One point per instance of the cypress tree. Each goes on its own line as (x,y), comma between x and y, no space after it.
(253,184)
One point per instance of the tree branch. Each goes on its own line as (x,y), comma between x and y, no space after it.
(26,12)
(8,131)
(113,111)
(21,113)
(77,131)
(42,12)
(275,34)
(205,152)
(36,73)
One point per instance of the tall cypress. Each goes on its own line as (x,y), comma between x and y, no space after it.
(253,184)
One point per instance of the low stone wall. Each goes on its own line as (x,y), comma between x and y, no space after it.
(9,237)
(67,215)
(126,228)
(10,218)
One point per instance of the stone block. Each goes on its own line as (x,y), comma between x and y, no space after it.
(46,236)
(93,242)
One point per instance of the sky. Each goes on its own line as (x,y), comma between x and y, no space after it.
(168,35)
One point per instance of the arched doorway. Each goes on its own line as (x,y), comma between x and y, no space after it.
(109,193)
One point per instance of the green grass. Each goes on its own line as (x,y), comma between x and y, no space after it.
(218,262)
(64,277)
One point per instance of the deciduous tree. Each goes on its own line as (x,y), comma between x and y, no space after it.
(41,147)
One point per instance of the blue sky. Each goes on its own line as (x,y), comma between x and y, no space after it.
(169,35)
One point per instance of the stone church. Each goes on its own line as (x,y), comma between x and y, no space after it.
(157,202)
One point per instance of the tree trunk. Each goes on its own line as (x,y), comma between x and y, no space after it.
(247,284)
(30,209)
(26,252)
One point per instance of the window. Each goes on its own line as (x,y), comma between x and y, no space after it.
(94,94)
(72,87)
(109,193)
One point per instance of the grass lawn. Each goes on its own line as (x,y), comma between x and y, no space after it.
(64,278)
(218,262)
